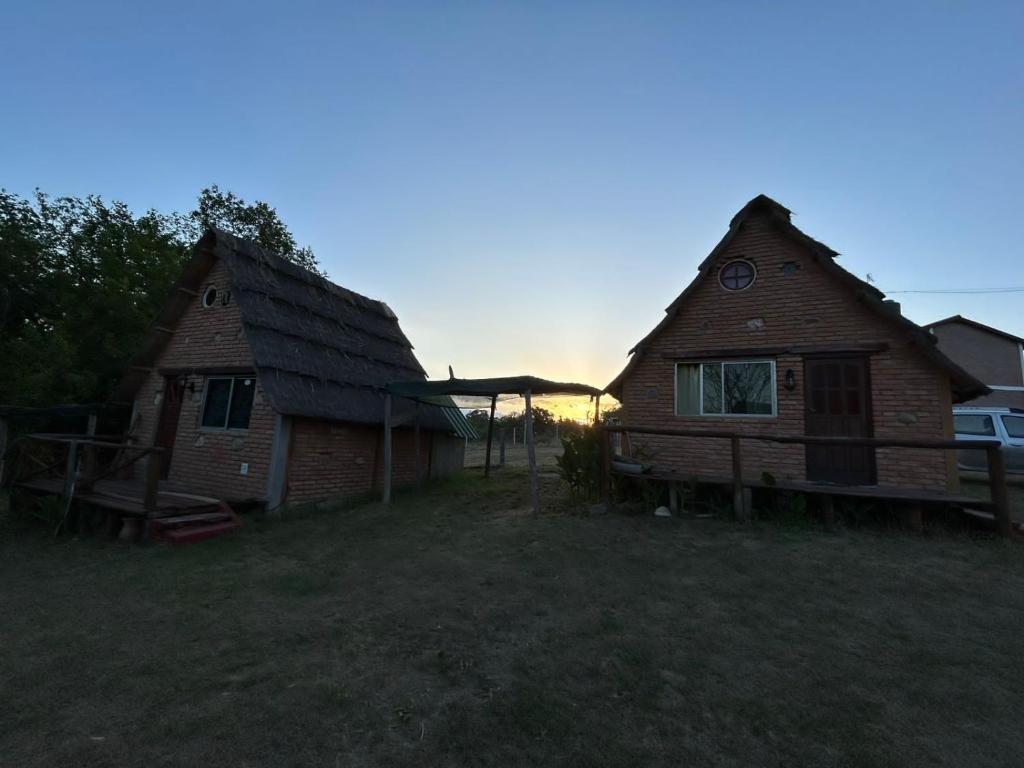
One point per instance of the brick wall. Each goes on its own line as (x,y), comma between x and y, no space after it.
(801,305)
(204,460)
(330,460)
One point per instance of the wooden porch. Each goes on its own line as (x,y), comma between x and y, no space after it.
(128,497)
(106,474)
(996,508)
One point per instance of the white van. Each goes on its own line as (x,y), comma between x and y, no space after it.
(980,423)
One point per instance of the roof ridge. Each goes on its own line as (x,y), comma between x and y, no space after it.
(278,263)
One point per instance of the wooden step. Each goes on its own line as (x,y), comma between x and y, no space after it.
(191,534)
(197,518)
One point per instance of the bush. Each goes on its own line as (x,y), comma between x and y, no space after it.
(579,464)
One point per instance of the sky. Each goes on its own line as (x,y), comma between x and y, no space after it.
(529,185)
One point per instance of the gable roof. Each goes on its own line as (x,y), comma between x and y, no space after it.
(320,350)
(965,386)
(961,320)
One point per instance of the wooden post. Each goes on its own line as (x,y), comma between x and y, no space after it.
(997,489)
(490,433)
(913,517)
(88,461)
(70,471)
(277,481)
(501,448)
(416,429)
(3,448)
(151,494)
(606,467)
(531,454)
(738,501)
(386,497)
(597,410)
(828,511)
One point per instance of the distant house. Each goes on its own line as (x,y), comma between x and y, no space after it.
(264,383)
(994,356)
(773,336)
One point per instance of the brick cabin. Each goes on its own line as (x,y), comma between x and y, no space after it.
(264,383)
(773,336)
(994,356)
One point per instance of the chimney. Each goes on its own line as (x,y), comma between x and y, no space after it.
(892,305)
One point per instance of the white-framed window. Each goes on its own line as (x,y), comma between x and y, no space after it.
(726,388)
(228,402)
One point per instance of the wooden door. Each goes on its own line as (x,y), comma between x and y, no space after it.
(838,404)
(167,426)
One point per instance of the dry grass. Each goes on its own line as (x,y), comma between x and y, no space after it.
(457,629)
(515,455)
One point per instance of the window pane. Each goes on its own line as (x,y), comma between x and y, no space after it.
(241,404)
(1014,425)
(215,412)
(853,402)
(748,388)
(712,387)
(687,389)
(973,424)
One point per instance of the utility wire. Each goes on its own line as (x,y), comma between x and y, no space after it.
(964,290)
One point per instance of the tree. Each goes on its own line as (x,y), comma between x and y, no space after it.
(82,280)
(478,419)
(257,222)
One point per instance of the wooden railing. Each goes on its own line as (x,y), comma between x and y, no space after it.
(993,450)
(75,463)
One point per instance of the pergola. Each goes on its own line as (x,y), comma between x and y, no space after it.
(524,386)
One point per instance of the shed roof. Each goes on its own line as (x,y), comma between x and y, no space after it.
(321,350)
(965,386)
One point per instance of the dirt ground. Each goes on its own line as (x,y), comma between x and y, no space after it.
(456,628)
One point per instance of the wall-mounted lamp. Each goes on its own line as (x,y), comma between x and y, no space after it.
(790,380)
(191,386)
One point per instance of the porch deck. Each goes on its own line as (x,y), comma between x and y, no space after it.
(890,493)
(128,496)
(998,503)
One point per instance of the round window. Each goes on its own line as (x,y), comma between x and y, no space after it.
(737,275)
(210,297)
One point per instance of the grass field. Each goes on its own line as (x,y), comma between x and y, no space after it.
(455,628)
(515,455)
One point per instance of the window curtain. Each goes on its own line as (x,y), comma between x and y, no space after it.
(688,389)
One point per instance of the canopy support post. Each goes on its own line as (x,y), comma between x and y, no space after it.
(597,410)
(490,434)
(531,453)
(386,497)
(417,474)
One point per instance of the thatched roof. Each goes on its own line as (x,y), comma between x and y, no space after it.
(320,350)
(965,386)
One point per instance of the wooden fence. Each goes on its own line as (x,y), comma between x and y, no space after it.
(998,503)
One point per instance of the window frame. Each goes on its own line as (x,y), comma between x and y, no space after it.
(723,362)
(227,412)
(748,286)
(1003,418)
